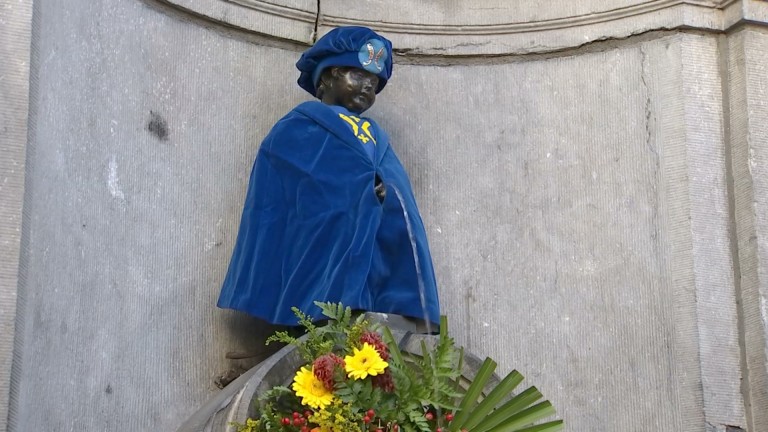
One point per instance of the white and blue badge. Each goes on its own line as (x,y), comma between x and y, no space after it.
(373,56)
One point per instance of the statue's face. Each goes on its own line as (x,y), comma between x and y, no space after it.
(352,88)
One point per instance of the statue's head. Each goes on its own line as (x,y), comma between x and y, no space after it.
(350,87)
(347,67)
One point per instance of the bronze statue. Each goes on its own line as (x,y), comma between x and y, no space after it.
(330,214)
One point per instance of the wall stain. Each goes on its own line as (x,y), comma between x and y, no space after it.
(157,126)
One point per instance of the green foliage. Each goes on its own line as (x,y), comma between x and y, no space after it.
(336,312)
(250,425)
(515,415)
(425,390)
(416,419)
(360,393)
(318,342)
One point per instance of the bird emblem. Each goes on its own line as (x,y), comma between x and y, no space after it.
(374,57)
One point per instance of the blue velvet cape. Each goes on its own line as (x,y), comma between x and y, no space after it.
(313,229)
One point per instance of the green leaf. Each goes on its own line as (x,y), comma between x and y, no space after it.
(473,393)
(553,426)
(526,417)
(512,407)
(336,311)
(501,391)
(418,419)
(394,349)
(457,388)
(275,392)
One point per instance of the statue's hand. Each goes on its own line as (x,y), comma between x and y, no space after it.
(381,191)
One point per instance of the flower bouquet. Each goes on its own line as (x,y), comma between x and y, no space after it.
(356,378)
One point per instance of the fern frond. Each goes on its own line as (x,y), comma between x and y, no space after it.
(275,392)
(281,337)
(415,415)
(336,311)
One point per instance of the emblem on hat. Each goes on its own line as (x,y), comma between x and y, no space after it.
(373,55)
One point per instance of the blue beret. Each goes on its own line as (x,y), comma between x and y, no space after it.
(358,47)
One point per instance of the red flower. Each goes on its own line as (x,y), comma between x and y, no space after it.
(374,339)
(384,381)
(324,367)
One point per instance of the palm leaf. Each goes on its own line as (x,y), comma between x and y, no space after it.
(518,414)
(526,417)
(473,394)
(501,391)
(553,426)
(515,405)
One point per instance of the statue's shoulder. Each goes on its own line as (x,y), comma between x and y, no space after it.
(318,113)
(313,109)
(304,113)
(297,126)
(311,106)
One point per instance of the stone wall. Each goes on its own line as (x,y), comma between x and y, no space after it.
(590,176)
(747,109)
(15,32)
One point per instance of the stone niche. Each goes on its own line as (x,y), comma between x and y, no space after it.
(597,221)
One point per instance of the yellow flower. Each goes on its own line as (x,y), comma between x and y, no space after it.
(364,361)
(311,390)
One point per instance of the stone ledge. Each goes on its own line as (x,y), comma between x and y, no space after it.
(484,27)
(292,20)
